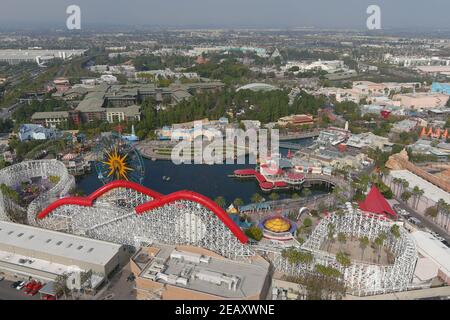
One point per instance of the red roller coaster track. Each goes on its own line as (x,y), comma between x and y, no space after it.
(158,201)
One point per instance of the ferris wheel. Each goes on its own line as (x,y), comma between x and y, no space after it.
(117,159)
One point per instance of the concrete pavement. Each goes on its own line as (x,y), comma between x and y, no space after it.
(8,293)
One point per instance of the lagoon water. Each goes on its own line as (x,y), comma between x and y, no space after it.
(209,180)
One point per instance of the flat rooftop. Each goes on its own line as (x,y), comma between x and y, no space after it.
(431,191)
(35,264)
(33,53)
(433,249)
(251,276)
(55,243)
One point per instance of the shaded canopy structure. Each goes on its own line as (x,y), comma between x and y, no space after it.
(376,203)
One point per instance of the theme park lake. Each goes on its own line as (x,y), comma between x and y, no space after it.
(209,180)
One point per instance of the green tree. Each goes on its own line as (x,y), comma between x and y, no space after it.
(307,222)
(342,239)
(61,285)
(406,195)
(417,193)
(254,232)
(330,234)
(54,179)
(395,230)
(321,207)
(274,196)
(363,243)
(85,278)
(10,193)
(256,198)
(343,259)
(220,201)
(238,202)
(432,212)
(379,241)
(306,192)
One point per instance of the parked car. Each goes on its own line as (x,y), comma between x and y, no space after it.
(48,297)
(29,286)
(15,284)
(415,221)
(20,285)
(2,278)
(36,289)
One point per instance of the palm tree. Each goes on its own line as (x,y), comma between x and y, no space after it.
(338,195)
(256,198)
(405,196)
(397,184)
(274,196)
(394,181)
(343,259)
(432,212)
(295,196)
(221,202)
(363,243)
(342,238)
(441,206)
(238,202)
(330,234)
(405,184)
(306,192)
(378,244)
(417,192)
(395,230)
(446,212)
(379,241)
(340,212)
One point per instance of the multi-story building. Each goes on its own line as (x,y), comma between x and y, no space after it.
(50,119)
(369,140)
(15,56)
(45,254)
(120,102)
(296,120)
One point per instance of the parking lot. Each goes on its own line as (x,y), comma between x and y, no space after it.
(8,293)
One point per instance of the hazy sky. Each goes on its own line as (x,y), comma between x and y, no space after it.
(230,13)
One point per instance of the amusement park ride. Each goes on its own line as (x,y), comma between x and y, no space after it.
(123,211)
(118,159)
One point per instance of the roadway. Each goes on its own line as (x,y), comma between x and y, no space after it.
(6,113)
(440,293)
(425,222)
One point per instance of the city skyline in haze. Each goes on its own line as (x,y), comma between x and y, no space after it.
(395,14)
